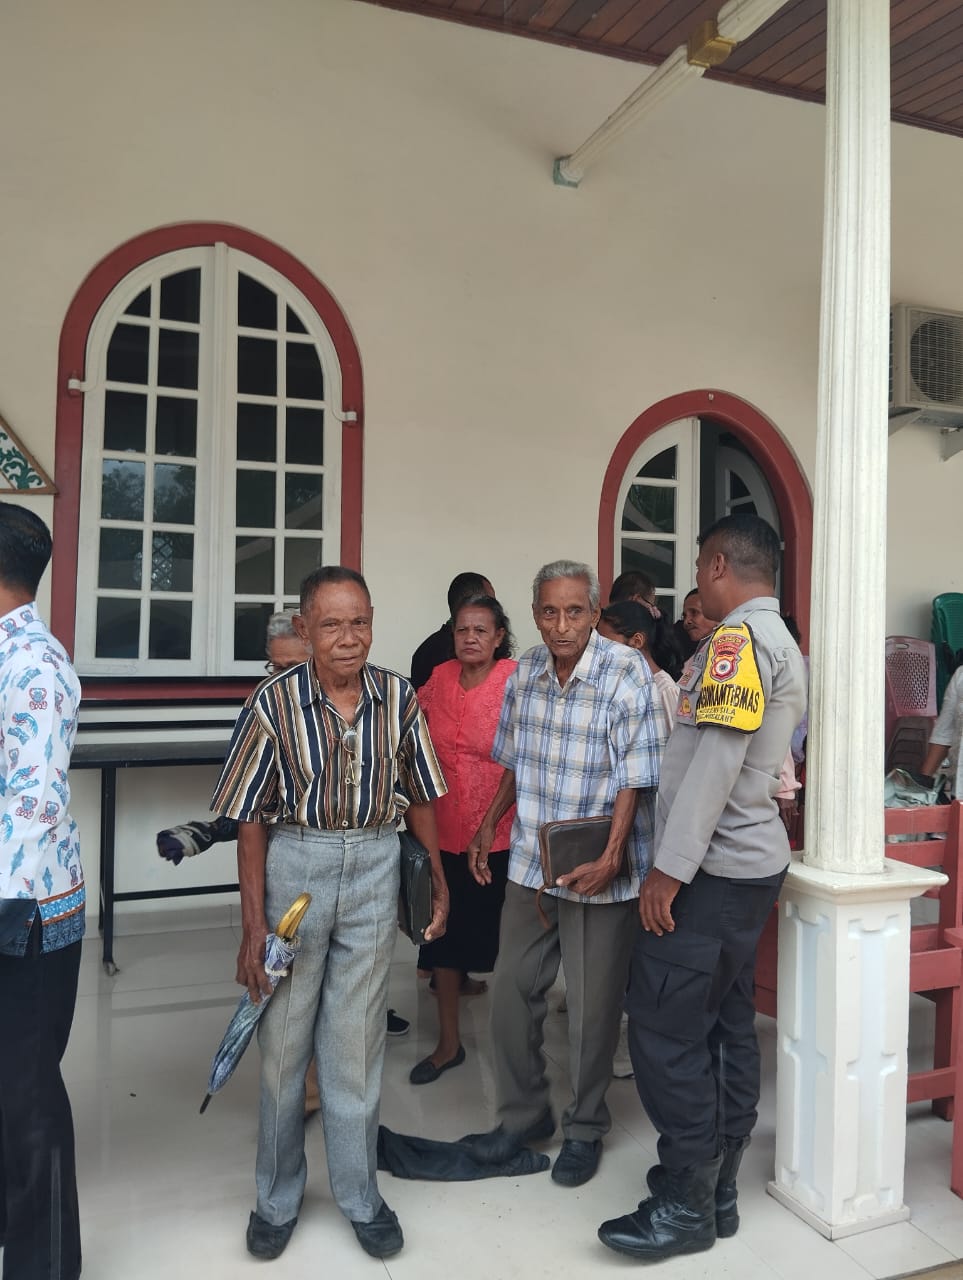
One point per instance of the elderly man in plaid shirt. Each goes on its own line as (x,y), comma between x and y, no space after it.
(578,738)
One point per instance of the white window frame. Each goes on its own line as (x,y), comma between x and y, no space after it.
(213,595)
(684,436)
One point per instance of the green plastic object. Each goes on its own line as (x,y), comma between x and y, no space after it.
(947,636)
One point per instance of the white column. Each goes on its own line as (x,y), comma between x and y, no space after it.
(844,768)
(844,927)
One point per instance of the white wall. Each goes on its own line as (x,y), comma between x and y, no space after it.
(510,330)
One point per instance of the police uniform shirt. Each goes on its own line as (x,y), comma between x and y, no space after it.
(741,696)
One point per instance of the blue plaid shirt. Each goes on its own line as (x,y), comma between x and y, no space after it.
(573,749)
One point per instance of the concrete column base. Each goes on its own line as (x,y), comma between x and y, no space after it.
(843,999)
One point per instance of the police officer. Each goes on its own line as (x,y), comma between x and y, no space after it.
(721,855)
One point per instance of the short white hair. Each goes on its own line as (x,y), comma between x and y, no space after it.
(280,626)
(568,569)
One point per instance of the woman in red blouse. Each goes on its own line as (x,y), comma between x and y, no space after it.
(462,701)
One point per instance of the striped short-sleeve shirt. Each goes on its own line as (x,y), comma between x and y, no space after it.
(289,759)
(572,748)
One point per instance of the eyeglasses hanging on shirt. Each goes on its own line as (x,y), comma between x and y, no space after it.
(350,744)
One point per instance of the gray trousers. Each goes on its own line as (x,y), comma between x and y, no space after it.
(333,1005)
(593,943)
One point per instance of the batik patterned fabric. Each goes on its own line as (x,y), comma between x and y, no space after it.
(39,845)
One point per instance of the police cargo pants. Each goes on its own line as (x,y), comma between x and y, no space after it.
(692,1035)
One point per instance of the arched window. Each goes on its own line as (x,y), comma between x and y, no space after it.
(210,456)
(683,463)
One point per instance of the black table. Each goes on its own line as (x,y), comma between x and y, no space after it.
(108,758)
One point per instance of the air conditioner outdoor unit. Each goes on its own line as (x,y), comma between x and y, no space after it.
(926,369)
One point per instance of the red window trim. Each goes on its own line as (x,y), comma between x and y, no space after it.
(98,285)
(766,444)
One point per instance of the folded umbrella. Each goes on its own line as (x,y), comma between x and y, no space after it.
(280,948)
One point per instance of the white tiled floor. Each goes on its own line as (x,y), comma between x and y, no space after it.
(166,1193)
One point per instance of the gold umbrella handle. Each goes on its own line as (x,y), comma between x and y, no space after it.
(291,920)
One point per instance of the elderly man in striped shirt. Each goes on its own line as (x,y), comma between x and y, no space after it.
(578,738)
(325,759)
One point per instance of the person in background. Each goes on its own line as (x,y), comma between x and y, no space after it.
(42,899)
(462,701)
(943,754)
(633,585)
(693,627)
(721,853)
(632,624)
(440,645)
(326,759)
(577,738)
(285,649)
(438,648)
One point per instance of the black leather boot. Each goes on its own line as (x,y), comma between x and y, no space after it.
(727,1212)
(681,1219)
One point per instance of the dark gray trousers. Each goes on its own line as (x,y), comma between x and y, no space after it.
(593,943)
(692,1034)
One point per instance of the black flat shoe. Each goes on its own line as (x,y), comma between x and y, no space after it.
(427,1073)
(382,1236)
(577,1162)
(267,1241)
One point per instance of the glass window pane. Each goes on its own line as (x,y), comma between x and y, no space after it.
(737,487)
(172,562)
(127,353)
(662,466)
(257,433)
(170,629)
(294,323)
(257,366)
(257,305)
(125,421)
(253,566)
(302,501)
(649,509)
(250,626)
(180,296)
(301,557)
(176,430)
(305,380)
(141,304)
(652,557)
(121,558)
(122,490)
(304,440)
(118,628)
(177,359)
(255,499)
(174,485)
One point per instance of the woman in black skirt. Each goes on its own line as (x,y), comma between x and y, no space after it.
(462,701)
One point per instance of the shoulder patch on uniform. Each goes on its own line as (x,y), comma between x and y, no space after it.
(731,694)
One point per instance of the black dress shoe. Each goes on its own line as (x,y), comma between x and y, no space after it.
(577,1162)
(265,1240)
(500,1144)
(382,1236)
(427,1073)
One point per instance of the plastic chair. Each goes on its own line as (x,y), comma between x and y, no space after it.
(910,700)
(947,636)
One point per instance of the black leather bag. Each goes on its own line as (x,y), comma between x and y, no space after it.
(414,897)
(565,845)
